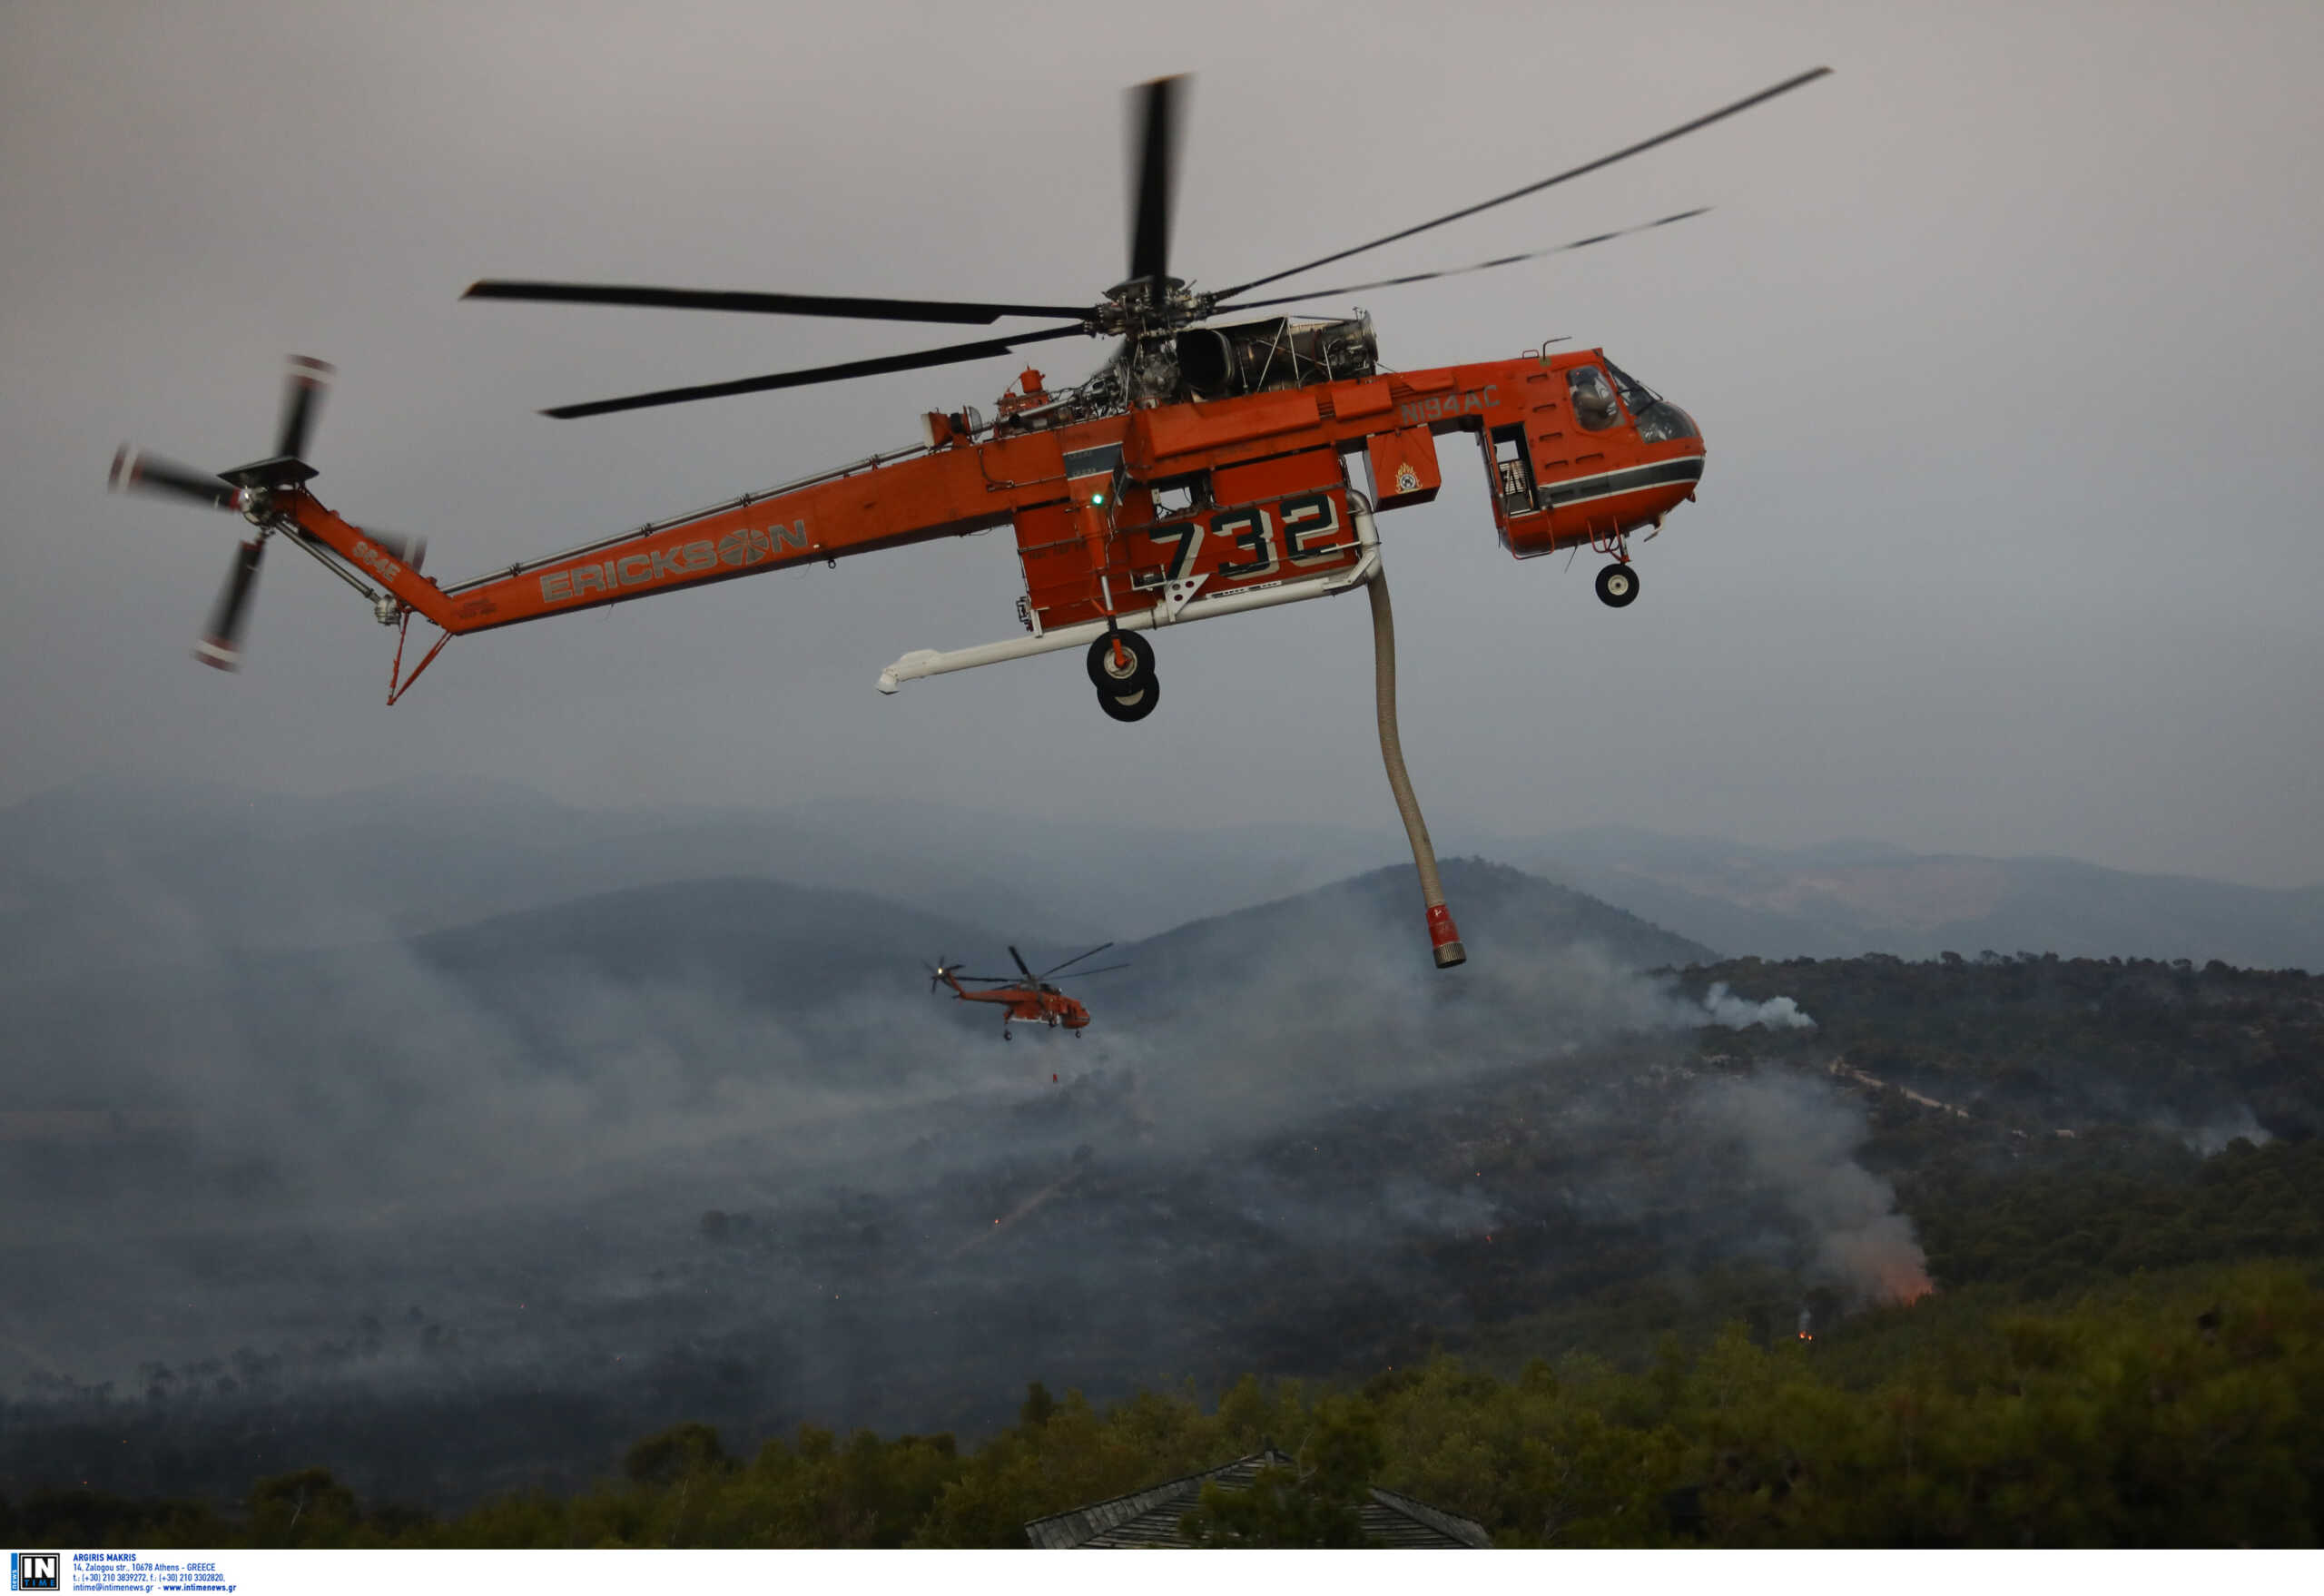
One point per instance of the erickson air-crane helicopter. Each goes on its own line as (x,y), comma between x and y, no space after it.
(1204,471)
(1026,999)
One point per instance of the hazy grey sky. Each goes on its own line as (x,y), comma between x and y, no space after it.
(2005,339)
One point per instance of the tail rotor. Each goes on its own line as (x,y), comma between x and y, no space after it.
(248,490)
(303,387)
(221,639)
(956,976)
(136,470)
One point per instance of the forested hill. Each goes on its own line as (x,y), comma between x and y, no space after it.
(1840,899)
(2044,1043)
(2047,1131)
(769,944)
(1507,918)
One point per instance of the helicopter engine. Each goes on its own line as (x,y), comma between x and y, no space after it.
(1219,362)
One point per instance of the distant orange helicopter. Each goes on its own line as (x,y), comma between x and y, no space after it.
(1030,999)
(1204,469)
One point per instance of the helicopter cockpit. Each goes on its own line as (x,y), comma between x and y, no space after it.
(1598,404)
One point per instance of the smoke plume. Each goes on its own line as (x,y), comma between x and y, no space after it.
(1798,1139)
(1736,1013)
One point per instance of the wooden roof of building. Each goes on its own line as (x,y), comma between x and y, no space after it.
(1150,1517)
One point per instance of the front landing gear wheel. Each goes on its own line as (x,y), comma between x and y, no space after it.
(1133,669)
(1617,585)
(1134,705)
(1004,1033)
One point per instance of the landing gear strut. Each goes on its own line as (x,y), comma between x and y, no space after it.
(1121,668)
(1617,585)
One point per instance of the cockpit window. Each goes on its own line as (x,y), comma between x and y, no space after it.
(1664,422)
(1658,421)
(1635,396)
(1594,398)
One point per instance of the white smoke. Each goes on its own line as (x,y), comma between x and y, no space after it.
(1736,1013)
(2213,1136)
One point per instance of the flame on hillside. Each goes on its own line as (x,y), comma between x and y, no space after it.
(1904,1283)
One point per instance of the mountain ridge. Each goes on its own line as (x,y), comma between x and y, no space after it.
(167,867)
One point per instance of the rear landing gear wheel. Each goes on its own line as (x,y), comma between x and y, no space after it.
(1126,673)
(1004,1033)
(1617,585)
(1133,706)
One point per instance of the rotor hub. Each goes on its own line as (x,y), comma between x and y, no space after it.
(1146,305)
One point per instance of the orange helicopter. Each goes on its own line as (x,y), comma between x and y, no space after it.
(1206,468)
(1029,999)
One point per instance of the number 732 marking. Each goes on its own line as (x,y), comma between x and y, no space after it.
(1295,532)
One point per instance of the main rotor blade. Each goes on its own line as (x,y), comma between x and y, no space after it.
(949,355)
(1013,953)
(1086,974)
(302,396)
(1720,114)
(1076,959)
(966,312)
(221,639)
(1580,244)
(137,472)
(1154,175)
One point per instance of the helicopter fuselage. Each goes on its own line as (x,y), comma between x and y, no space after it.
(1137,511)
(1034,1004)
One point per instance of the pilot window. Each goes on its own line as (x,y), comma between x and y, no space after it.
(1594,398)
